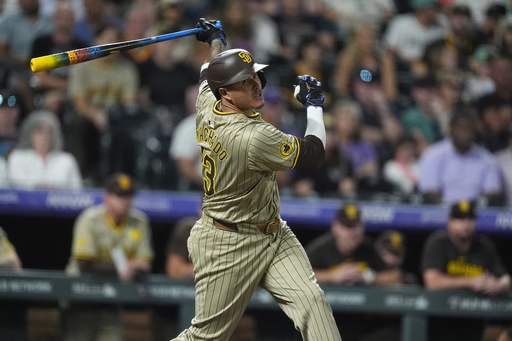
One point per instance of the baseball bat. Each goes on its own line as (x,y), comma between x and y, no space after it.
(86,54)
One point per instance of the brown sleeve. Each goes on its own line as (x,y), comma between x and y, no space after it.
(312,153)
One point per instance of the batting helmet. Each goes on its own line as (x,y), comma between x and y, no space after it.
(232,66)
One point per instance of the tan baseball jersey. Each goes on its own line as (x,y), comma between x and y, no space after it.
(95,235)
(240,156)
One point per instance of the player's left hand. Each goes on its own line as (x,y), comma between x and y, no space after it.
(308,91)
(209,31)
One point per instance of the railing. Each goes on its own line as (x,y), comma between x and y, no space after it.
(314,213)
(413,303)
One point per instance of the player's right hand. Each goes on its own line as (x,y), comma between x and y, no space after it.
(308,91)
(209,31)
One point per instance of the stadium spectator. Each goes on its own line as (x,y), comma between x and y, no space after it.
(456,168)
(137,21)
(38,160)
(408,35)
(334,178)
(171,16)
(495,117)
(345,256)
(10,116)
(51,86)
(459,258)
(158,90)
(96,89)
(478,77)
(495,107)
(504,161)
(256,33)
(96,16)
(17,33)
(348,14)
(12,313)
(362,154)
(183,150)
(310,60)
(455,47)
(391,245)
(402,170)
(504,43)
(296,22)
(451,83)
(487,32)
(419,118)
(362,53)
(112,238)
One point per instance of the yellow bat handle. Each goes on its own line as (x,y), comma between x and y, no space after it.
(43,63)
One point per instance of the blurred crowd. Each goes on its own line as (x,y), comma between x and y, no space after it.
(418,93)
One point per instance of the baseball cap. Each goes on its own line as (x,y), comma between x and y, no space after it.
(392,241)
(485,53)
(120,184)
(463,210)
(349,215)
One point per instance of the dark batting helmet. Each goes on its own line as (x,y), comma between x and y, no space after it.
(232,66)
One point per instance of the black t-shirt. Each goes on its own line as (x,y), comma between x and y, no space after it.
(440,253)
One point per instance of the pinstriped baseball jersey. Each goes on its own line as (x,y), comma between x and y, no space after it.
(241,155)
(95,235)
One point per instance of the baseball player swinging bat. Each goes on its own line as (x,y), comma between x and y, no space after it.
(61,59)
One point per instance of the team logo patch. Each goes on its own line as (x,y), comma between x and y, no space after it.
(245,57)
(124,182)
(135,234)
(286,149)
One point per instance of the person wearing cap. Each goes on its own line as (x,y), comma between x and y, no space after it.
(344,255)
(240,242)
(459,258)
(408,34)
(111,238)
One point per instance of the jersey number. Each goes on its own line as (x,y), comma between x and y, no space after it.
(209,172)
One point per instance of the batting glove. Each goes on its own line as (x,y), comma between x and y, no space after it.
(309,91)
(209,32)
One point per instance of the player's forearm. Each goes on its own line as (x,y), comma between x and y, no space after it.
(439,281)
(315,123)
(216,47)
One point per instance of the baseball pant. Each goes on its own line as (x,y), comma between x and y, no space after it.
(229,266)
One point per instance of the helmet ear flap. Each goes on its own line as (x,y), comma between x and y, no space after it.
(263,79)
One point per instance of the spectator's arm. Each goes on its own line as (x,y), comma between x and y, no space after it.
(436,280)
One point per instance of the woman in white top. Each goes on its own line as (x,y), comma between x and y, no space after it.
(38,161)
